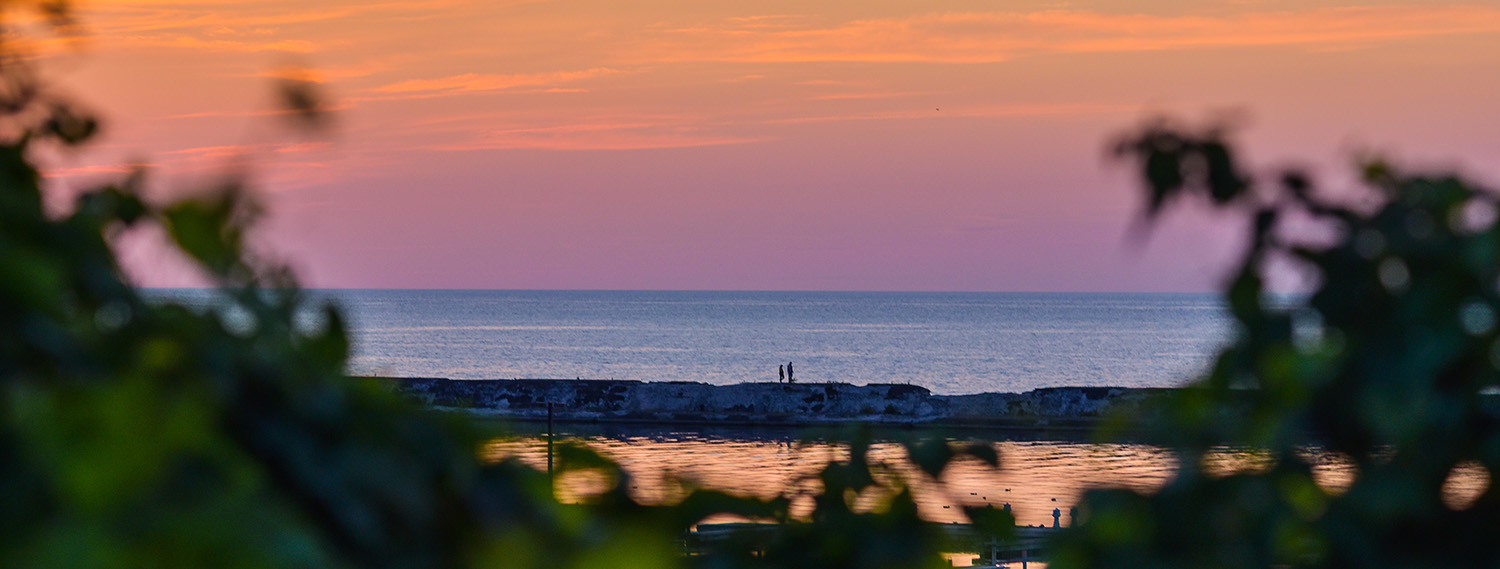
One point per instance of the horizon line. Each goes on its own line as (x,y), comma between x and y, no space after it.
(804,291)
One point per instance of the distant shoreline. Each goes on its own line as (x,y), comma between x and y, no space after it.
(683,403)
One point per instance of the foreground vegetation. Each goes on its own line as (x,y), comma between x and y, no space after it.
(152,434)
(136,434)
(1387,363)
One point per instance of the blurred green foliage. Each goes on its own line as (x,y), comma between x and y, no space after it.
(1389,364)
(148,433)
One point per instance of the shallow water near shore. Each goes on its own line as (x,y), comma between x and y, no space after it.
(1039,471)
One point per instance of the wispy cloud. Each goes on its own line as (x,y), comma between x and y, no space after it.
(973,111)
(866,95)
(597,134)
(293,159)
(995,37)
(220,151)
(342,106)
(327,73)
(239,16)
(234,151)
(743,78)
(235,45)
(90,170)
(473,82)
(246,26)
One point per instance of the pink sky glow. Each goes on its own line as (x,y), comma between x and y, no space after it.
(679,144)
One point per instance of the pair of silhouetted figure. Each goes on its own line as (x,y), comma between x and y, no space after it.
(784,373)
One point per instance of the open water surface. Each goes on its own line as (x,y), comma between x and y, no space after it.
(1039,472)
(951,343)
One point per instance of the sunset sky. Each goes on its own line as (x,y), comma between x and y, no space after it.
(848,145)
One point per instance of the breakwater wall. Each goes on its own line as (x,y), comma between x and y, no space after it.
(770,403)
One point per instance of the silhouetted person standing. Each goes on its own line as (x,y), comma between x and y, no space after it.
(780,373)
(789,373)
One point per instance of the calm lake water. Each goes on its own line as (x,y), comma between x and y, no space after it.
(1036,474)
(951,343)
(1039,472)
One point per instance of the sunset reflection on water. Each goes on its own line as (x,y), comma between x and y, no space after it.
(1035,476)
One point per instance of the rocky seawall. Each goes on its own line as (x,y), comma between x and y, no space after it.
(769,403)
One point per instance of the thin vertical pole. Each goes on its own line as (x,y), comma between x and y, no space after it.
(549,440)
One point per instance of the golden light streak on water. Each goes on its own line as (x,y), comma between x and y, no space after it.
(1035,477)
(1464,485)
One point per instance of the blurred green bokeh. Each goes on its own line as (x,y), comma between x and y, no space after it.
(138,433)
(1389,363)
(152,434)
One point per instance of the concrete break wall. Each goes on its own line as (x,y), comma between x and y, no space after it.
(766,403)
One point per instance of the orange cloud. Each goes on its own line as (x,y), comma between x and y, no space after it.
(242,150)
(90,170)
(239,25)
(243,46)
(596,135)
(866,96)
(995,37)
(236,16)
(253,114)
(743,78)
(326,73)
(983,111)
(221,151)
(471,82)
